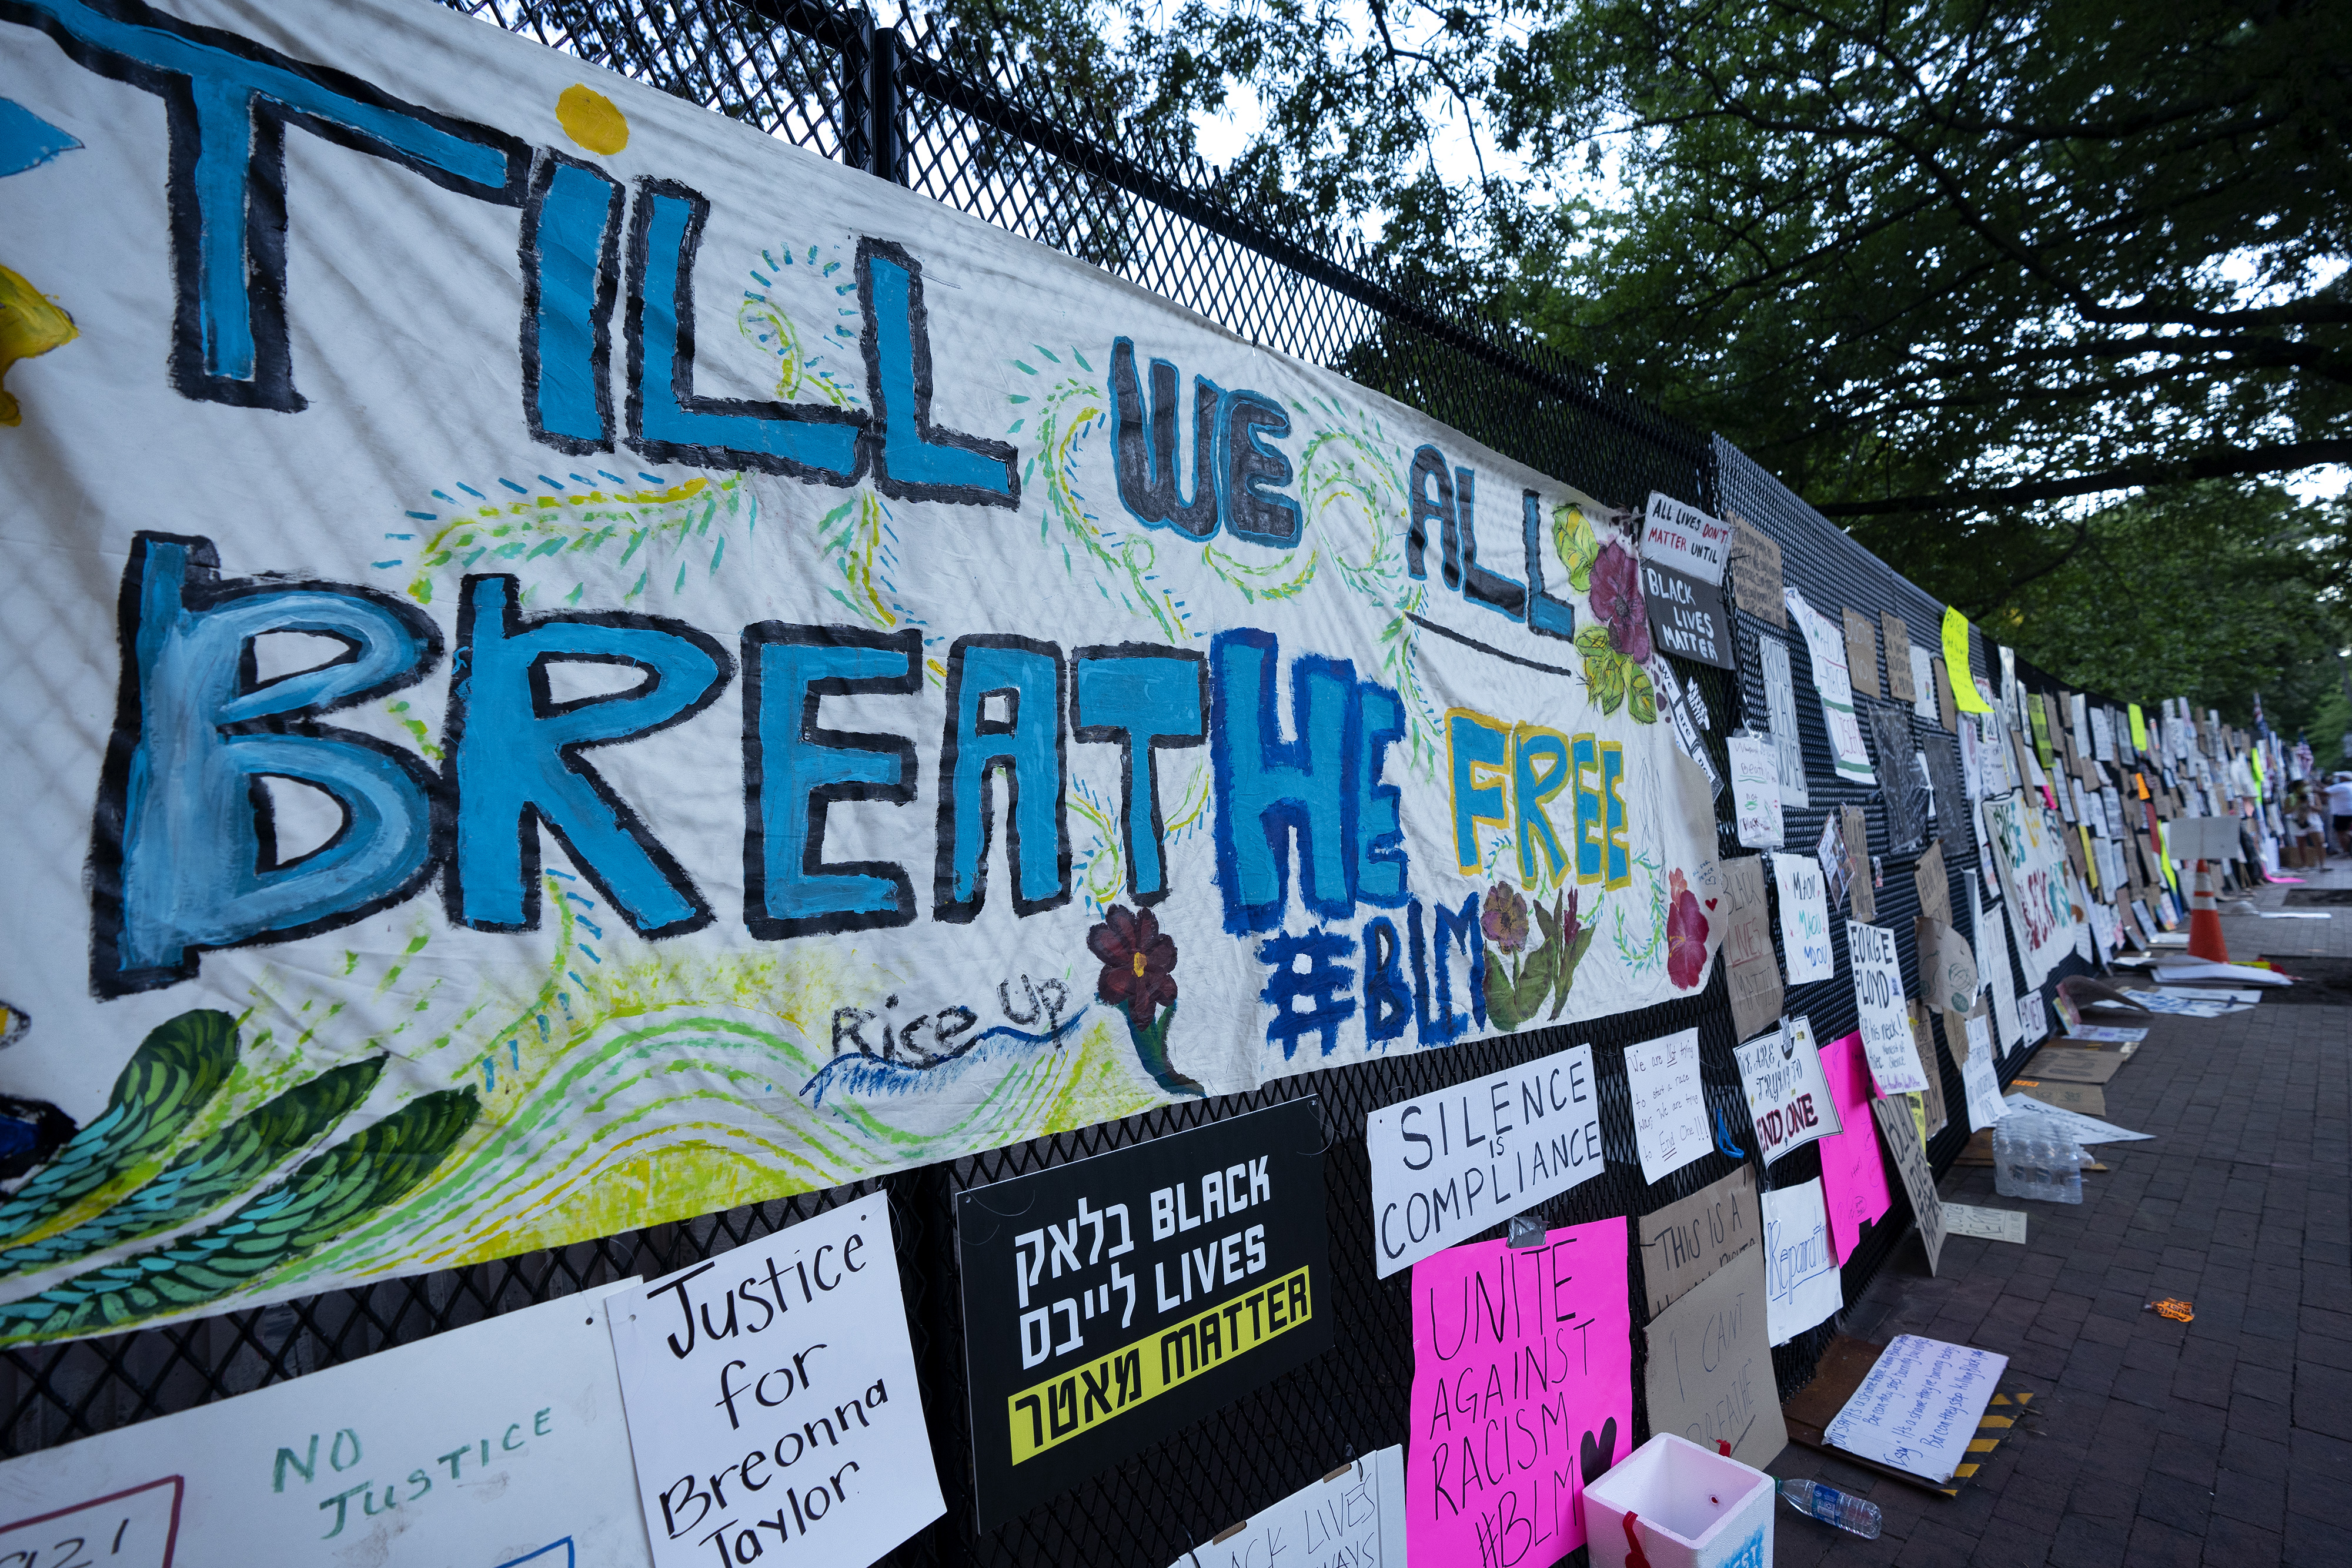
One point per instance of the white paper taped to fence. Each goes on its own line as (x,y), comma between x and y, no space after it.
(499,1442)
(919,692)
(1343,1521)
(1462,1160)
(794,1428)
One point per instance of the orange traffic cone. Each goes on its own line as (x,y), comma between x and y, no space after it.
(2204,919)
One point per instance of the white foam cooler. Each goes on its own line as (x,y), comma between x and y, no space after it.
(1693,1509)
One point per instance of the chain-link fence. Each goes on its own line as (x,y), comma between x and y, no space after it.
(945,118)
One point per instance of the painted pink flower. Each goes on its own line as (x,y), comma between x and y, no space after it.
(1616,598)
(1503,916)
(1686,935)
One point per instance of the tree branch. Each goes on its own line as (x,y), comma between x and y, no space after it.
(2130,476)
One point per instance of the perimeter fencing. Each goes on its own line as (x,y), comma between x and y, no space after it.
(947,117)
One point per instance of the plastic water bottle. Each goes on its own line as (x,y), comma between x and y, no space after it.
(2032,1159)
(1816,1500)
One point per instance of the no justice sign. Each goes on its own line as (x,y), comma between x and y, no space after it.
(1120,1299)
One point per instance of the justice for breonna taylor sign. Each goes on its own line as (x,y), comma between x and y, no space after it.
(580,665)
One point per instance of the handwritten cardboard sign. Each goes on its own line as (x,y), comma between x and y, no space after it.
(1853,1177)
(494,1443)
(1789,1100)
(1919,1405)
(1853,833)
(1710,1367)
(1861,654)
(772,1399)
(1898,656)
(1990,1224)
(1756,572)
(1748,966)
(1804,918)
(1669,1103)
(1878,999)
(1910,1156)
(1691,1238)
(1801,1286)
(1522,1395)
(1110,1302)
(1461,1160)
(1934,882)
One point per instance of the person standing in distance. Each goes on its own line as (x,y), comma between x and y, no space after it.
(2340,811)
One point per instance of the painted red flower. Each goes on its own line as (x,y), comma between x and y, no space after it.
(1139,961)
(1686,935)
(1616,599)
(1503,916)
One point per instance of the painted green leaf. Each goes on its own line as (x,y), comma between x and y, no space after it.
(1535,981)
(1644,697)
(1572,535)
(326,1195)
(174,1074)
(1502,1004)
(1592,640)
(213,1172)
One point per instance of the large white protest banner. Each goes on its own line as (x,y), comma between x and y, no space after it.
(501,1442)
(1461,1160)
(687,673)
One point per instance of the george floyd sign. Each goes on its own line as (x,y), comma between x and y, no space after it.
(1110,1302)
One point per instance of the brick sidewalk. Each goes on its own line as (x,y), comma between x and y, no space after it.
(2224,1441)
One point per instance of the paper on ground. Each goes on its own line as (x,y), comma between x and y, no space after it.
(2106,1034)
(1800,1279)
(2208,993)
(1917,1408)
(1991,1224)
(2076,1126)
(2198,969)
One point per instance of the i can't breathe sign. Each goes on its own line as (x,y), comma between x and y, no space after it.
(772,1402)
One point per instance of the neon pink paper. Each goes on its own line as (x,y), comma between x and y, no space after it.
(1522,1391)
(1854,1174)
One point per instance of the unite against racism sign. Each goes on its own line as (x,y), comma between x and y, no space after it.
(598,666)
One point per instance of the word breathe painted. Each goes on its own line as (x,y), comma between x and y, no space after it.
(195,867)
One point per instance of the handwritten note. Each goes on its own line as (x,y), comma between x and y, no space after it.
(1522,1395)
(1748,966)
(772,1397)
(1800,1266)
(1919,1405)
(1834,686)
(1879,1001)
(1990,1224)
(1458,1161)
(1787,1099)
(496,1442)
(1977,1075)
(1339,1521)
(1781,707)
(1854,1178)
(1805,919)
(1710,1367)
(1908,1147)
(1669,1103)
(1691,1238)
(1755,791)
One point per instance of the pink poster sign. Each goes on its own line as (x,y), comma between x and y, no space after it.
(1854,1176)
(1522,1393)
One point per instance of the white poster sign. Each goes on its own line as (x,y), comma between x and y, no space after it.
(772,1399)
(1885,1017)
(1458,1161)
(1979,1075)
(1755,791)
(1669,1103)
(1681,537)
(1804,918)
(1834,684)
(1991,929)
(1352,1517)
(1801,1286)
(1919,1405)
(622,599)
(1789,1100)
(499,1442)
(1781,707)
